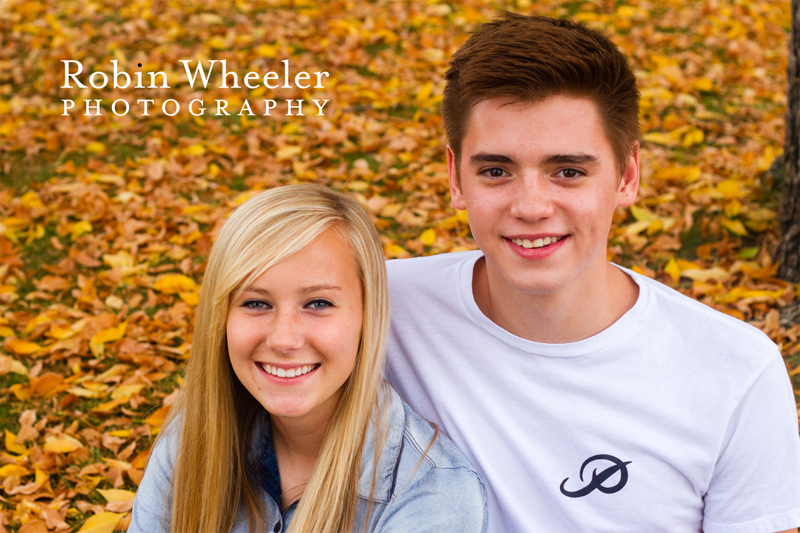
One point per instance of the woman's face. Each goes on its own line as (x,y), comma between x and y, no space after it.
(293,335)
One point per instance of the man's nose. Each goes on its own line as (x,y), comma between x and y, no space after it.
(532,198)
(286,333)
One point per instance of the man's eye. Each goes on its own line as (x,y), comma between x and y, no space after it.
(319,304)
(255,304)
(569,173)
(494,172)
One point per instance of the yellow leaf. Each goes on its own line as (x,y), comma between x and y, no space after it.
(101,523)
(158,417)
(31,199)
(428,237)
(734,208)
(391,210)
(20,391)
(690,174)
(191,298)
(79,228)
(217,43)
(741,293)
(683,264)
(65,444)
(637,227)
(673,270)
(120,259)
(84,393)
(174,284)
(11,444)
(61,332)
(13,470)
(195,149)
(124,433)
(703,84)
(38,320)
(658,138)
(126,391)
(192,209)
(20,347)
(95,147)
(642,214)
(122,465)
(288,152)
(695,136)
(5,331)
(266,50)
(9,364)
(110,406)
(734,226)
(116,495)
(729,189)
(704,275)
(424,93)
(107,335)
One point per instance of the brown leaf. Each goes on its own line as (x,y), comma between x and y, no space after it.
(34,526)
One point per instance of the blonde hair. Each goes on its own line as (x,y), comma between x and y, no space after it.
(211,477)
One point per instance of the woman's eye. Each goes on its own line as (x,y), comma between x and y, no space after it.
(319,304)
(494,172)
(569,173)
(255,304)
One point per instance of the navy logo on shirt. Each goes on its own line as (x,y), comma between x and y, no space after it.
(598,478)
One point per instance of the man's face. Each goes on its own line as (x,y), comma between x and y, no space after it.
(540,185)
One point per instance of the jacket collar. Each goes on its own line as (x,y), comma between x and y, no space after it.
(392,414)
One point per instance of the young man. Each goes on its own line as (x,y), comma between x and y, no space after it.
(590,398)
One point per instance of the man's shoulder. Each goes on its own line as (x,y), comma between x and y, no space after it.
(669,309)
(420,268)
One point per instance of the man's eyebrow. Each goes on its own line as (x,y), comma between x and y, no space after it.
(571,159)
(483,157)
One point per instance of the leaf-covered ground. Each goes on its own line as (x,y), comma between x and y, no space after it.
(105,221)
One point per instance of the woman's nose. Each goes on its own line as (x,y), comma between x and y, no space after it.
(286,333)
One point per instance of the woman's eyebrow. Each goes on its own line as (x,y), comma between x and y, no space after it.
(315,288)
(256,290)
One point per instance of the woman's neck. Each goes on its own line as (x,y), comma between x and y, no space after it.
(297,444)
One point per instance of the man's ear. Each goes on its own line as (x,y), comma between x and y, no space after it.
(456,195)
(629,181)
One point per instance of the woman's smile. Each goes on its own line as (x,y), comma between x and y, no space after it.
(289,374)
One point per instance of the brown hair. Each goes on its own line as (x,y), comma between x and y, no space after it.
(530,58)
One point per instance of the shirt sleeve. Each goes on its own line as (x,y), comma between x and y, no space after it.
(755,486)
(151,507)
(444,500)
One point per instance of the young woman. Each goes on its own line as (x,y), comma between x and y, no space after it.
(284,422)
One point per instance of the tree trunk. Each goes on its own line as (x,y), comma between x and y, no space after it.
(788,252)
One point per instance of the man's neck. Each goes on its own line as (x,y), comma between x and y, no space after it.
(578,311)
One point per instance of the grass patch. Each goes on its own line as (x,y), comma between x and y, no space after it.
(24,170)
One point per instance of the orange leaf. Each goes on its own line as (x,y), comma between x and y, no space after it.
(21,347)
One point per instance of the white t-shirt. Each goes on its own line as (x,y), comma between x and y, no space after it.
(676,418)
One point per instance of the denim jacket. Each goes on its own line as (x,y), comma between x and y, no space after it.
(438,493)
